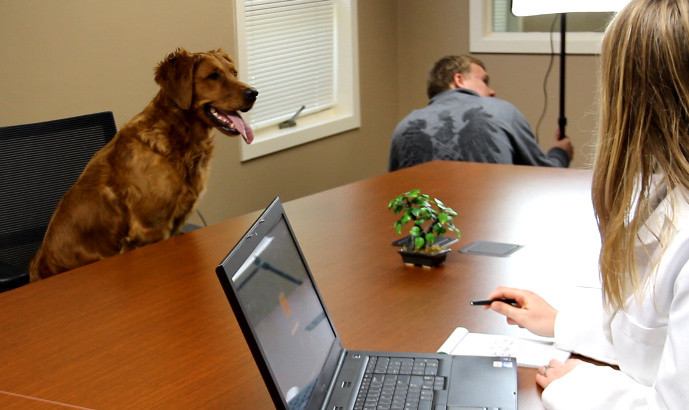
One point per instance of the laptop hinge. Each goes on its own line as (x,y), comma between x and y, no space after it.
(333,383)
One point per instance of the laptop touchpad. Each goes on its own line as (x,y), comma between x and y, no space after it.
(482,383)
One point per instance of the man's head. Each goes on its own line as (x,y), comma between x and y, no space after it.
(458,72)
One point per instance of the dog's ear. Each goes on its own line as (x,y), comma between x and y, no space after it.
(175,76)
(223,54)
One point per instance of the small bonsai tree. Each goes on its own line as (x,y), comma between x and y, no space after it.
(429,223)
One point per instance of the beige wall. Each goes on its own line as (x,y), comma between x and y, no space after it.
(72,57)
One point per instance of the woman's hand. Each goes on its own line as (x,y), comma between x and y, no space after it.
(554,370)
(533,313)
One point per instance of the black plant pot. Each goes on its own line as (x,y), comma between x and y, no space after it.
(424,259)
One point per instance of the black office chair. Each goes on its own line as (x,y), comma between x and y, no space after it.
(38,164)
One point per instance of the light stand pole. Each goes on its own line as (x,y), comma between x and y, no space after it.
(524,8)
(562,120)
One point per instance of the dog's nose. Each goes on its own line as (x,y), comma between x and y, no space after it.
(250,94)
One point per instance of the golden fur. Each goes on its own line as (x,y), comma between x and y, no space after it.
(141,187)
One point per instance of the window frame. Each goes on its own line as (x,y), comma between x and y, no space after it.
(344,116)
(483,40)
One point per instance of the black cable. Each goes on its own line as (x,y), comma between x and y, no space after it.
(202,219)
(545,80)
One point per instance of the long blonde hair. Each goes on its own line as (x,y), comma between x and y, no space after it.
(644,130)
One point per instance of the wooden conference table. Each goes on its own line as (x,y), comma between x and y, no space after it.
(152,329)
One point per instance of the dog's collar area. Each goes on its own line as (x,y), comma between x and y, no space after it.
(230,122)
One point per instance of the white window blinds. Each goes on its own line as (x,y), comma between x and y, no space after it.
(290,57)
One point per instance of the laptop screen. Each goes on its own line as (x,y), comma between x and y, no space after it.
(285,313)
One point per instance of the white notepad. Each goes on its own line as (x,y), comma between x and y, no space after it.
(529,353)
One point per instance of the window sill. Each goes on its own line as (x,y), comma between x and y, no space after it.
(310,128)
(535,43)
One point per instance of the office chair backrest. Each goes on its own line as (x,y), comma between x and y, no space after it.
(38,164)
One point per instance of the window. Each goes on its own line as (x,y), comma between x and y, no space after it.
(298,53)
(493,29)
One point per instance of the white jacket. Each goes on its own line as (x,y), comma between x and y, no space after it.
(649,339)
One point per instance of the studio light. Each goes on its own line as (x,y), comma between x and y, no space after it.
(535,7)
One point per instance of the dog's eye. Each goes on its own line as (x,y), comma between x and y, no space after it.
(235,73)
(213,76)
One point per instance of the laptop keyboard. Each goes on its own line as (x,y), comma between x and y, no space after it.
(396,383)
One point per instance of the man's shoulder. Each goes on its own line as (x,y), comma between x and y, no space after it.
(423,113)
(454,103)
(414,121)
(498,104)
(503,110)
(469,97)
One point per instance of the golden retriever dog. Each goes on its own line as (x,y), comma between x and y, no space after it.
(141,187)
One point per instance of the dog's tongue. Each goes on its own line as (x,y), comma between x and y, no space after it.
(239,124)
(242,126)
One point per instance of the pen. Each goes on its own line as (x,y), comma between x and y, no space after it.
(483,302)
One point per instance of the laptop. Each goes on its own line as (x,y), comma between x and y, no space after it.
(301,358)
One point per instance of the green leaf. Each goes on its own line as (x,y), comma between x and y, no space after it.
(417,201)
(430,238)
(442,218)
(419,242)
(439,230)
(412,194)
(445,209)
(415,231)
(439,202)
(405,219)
(453,228)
